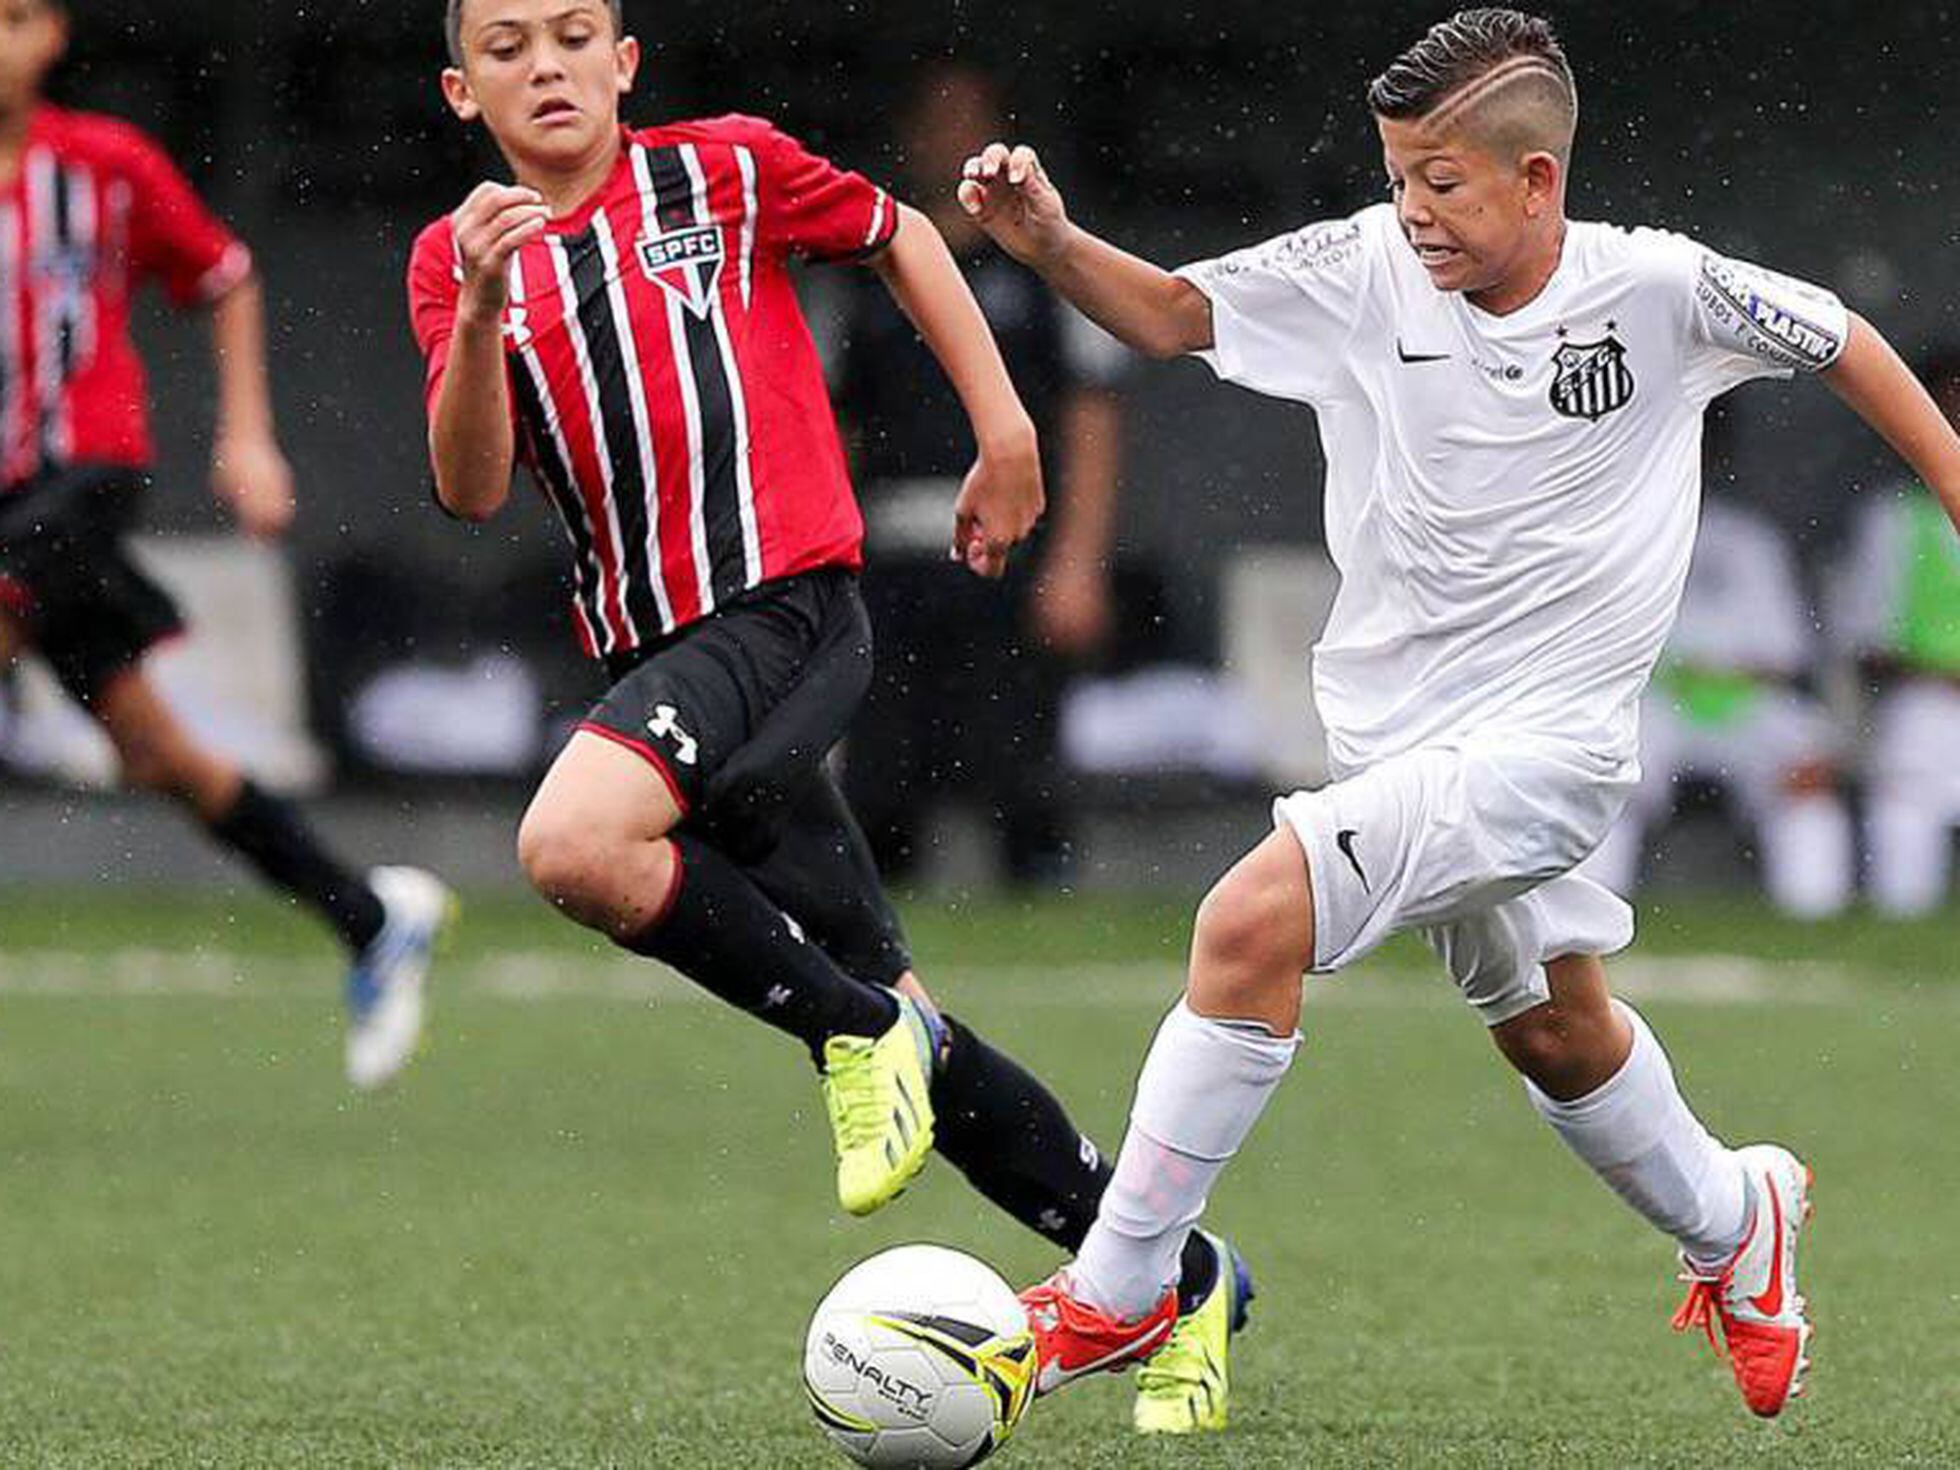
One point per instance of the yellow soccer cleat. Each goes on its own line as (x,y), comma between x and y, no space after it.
(878,1093)
(1185,1387)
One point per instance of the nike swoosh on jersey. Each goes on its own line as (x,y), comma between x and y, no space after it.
(1408,356)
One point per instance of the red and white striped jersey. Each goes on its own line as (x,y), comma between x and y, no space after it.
(94,211)
(669,399)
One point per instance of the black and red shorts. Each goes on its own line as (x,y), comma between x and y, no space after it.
(737,711)
(68,581)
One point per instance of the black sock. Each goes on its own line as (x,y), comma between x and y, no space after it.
(273,837)
(1013,1140)
(1197,1273)
(724,935)
(1011,1137)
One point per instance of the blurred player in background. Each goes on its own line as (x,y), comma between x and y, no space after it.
(1897,610)
(621,320)
(923,735)
(1729,705)
(90,210)
(1511,407)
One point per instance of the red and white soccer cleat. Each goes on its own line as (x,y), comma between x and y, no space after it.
(1754,1295)
(1072,1339)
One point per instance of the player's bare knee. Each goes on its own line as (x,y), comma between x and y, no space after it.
(563,861)
(1243,947)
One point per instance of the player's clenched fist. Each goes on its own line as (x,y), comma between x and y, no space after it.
(490,226)
(1008,194)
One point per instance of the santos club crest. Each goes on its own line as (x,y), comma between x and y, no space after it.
(1591,379)
(684,263)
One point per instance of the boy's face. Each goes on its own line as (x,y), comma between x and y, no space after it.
(545,76)
(1468,214)
(33,34)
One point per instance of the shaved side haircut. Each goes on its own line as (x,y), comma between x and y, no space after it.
(452,26)
(1500,75)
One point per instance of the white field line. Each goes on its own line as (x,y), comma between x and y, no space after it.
(539,975)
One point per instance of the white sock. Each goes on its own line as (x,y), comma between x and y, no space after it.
(1202,1087)
(1637,1133)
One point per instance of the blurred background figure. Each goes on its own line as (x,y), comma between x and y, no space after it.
(1897,611)
(91,211)
(1730,706)
(970,674)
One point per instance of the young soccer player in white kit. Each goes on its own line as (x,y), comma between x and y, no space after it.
(1511,409)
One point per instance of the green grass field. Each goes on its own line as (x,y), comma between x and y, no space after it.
(588,1228)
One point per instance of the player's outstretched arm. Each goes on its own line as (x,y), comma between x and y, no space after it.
(248,472)
(1882,391)
(1002,497)
(1010,196)
(471,442)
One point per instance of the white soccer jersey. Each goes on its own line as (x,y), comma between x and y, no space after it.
(1511,501)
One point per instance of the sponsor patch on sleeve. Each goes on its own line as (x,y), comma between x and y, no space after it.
(1777,317)
(1321,247)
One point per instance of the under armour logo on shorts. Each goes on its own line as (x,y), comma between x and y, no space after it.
(666,723)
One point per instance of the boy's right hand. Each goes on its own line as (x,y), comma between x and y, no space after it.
(1008,194)
(999,502)
(490,226)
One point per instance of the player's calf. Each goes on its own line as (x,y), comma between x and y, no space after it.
(157,753)
(1574,1042)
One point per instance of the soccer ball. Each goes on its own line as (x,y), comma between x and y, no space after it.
(919,1357)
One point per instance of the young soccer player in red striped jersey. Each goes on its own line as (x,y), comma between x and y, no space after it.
(621,321)
(90,210)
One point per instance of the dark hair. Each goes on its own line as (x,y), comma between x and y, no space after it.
(452,26)
(1458,51)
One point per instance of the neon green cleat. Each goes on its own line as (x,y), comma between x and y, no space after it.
(1184,1387)
(878,1093)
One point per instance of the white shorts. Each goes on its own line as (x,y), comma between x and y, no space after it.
(1474,845)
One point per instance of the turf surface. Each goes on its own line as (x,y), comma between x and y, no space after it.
(588,1228)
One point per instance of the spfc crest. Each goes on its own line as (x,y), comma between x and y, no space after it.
(684,263)
(1591,379)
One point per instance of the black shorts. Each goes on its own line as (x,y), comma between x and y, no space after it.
(736,712)
(68,580)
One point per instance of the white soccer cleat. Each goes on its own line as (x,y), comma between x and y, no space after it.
(1754,1294)
(385,988)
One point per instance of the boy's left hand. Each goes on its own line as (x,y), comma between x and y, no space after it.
(999,503)
(251,476)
